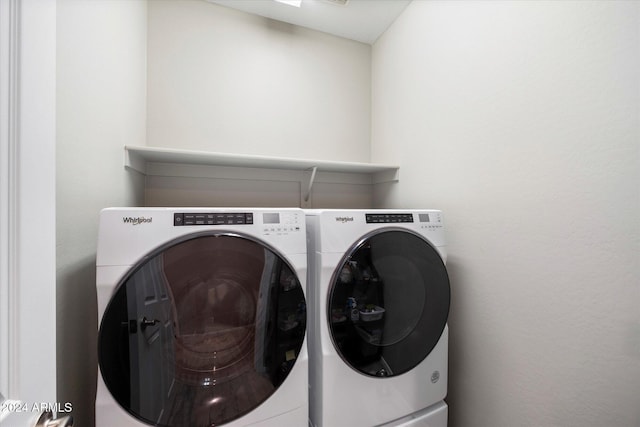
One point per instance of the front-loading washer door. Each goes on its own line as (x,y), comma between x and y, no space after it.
(388,303)
(202,331)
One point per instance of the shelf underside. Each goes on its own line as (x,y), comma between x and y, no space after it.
(138,158)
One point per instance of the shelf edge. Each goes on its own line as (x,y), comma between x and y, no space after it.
(137,157)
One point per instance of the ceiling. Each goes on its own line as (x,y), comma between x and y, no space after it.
(360,20)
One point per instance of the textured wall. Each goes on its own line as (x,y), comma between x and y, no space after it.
(521,120)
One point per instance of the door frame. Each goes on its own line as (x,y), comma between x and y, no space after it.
(27,201)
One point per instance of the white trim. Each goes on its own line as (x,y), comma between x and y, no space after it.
(9,32)
(27,193)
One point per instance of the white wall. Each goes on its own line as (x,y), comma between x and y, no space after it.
(224,80)
(521,120)
(101,106)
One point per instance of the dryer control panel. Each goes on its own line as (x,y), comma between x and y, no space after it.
(382,218)
(390,218)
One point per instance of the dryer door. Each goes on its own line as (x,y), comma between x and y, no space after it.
(388,303)
(202,331)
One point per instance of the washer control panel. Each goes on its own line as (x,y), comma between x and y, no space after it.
(215,218)
(275,223)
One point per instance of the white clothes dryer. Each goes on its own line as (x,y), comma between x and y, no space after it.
(202,317)
(379,299)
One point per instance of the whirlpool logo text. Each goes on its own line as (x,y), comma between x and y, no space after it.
(344,219)
(136,221)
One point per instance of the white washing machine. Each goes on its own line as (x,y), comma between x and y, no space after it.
(202,317)
(379,300)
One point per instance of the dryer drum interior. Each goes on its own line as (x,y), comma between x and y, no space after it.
(202,331)
(388,303)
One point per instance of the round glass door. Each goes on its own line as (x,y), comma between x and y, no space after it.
(388,303)
(202,331)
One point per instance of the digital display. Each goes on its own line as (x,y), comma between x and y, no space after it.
(424,217)
(271,218)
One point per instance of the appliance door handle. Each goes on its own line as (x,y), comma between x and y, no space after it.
(144,323)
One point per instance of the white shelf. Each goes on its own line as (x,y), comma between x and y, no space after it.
(158,161)
(138,158)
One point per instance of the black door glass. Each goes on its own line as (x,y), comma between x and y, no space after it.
(202,332)
(388,303)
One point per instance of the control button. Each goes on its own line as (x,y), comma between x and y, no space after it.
(178,219)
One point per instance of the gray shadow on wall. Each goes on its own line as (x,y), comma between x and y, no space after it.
(77,314)
(456,322)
